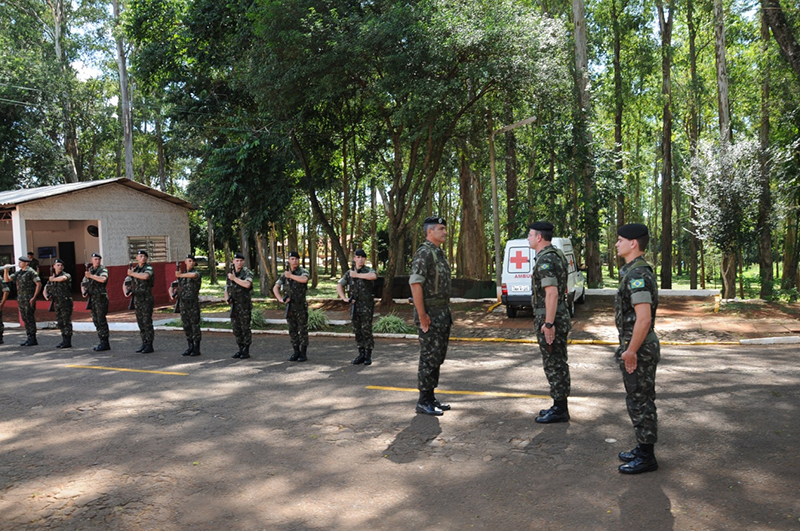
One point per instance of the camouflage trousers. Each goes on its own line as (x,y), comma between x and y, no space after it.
(26,311)
(190,317)
(297,318)
(361,318)
(554,358)
(640,389)
(144,316)
(99,307)
(241,314)
(64,315)
(433,347)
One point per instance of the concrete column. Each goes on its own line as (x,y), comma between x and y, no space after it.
(19,231)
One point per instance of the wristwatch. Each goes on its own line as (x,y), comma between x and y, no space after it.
(548,325)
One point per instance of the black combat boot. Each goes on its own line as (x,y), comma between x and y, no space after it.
(1,338)
(104,345)
(644,460)
(368,356)
(31,341)
(148,348)
(188,351)
(245,352)
(296,355)
(558,413)
(362,357)
(436,403)
(141,349)
(425,404)
(66,342)
(238,352)
(196,349)
(60,345)
(303,356)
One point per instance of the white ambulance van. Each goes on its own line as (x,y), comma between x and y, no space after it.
(518,262)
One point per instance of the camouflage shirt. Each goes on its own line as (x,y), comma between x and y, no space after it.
(96,288)
(361,290)
(144,287)
(431,269)
(637,286)
(26,282)
(190,287)
(61,290)
(237,292)
(550,270)
(293,290)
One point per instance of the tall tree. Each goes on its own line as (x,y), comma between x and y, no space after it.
(765,197)
(124,92)
(665,22)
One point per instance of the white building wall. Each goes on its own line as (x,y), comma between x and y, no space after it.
(121,212)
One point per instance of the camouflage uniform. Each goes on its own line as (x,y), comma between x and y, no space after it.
(297,309)
(551,270)
(190,306)
(362,307)
(5,289)
(61,294)
(26,286)
(98,292)
(143,301)
(431,269)
(638,286)
(242,307)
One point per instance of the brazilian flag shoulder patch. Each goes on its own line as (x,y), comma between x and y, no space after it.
(637,283)
(544,266)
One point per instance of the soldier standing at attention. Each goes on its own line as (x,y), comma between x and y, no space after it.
(95,284)
(238,292)
(294,282)
(551,318)
(60,290)
(362,304)
(6,291)
(430,289)
(143,280)
(28,288)
(639,349)
(189,282)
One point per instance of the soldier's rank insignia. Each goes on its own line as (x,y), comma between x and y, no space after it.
(637,283)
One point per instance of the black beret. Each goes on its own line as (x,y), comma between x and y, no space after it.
(96,255)
(142,251)
(24,259)
(238,256)
(543,226)
(360,252)
(434,220)
(58,261)
(30,253)
(631,231)
(190,256)
(294,254)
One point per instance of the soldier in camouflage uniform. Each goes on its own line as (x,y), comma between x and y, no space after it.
(34,263)
(294,282)
(6,291)
(362,304)
(95,286)
(189,282)
(28,288)
(430,290)
(551,318)
(238,292)
(639,350)
(59,288)
(143,280)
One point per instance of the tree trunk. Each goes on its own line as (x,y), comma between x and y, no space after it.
(313,245)
(345,199)
(665,24)
(511,176)
(471,260)
(618,102)
(694,133)
(728,270)
(782,31)
(212,251)
(791,250)
(263,261)
(273,251)
(594,273)
(124,95)
(162,159)
(244,242)
(373,225)
(765,197)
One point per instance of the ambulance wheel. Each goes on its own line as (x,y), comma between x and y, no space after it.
(572,308)
(511,311)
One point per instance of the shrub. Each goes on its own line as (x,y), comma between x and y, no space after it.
(393,324)
(257,319)
(317,320)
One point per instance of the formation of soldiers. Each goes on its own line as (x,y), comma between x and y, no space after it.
(636,302)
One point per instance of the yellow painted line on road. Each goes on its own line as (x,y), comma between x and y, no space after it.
(476,393)
(126,370)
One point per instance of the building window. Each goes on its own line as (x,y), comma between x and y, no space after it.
(156,247)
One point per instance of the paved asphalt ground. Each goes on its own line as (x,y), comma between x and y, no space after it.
(95,441)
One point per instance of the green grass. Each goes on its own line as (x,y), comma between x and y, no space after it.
(326,287)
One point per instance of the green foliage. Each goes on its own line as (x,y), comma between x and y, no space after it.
(257,319)
(392,324)
(317,320)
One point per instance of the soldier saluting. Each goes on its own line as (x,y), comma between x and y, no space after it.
(59,289)
(95,286)
(430,289)
(362,304)
(28,288)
